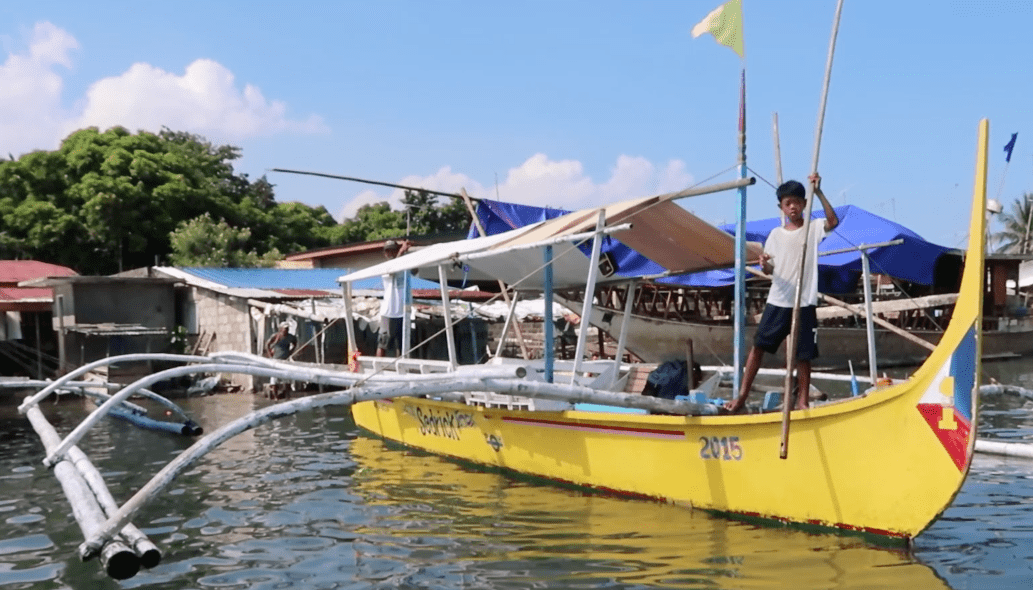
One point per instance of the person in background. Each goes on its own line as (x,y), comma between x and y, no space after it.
(392,308)
(280,346)
(781,258)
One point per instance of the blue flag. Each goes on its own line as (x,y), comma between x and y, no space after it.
(1008,147)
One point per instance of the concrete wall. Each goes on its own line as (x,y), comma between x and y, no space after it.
(96,300)
(229,319)
(117,302)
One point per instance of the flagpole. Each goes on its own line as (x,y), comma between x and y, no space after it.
(1029,220)
(740,248)
(725,23)
(794,334)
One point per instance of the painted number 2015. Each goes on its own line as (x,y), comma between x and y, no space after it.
(725,448)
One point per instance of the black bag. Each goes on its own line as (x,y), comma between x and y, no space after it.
(667,380)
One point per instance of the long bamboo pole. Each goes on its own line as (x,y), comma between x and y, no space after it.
(794,331)
(119,561)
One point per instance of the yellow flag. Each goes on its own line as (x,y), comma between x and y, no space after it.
(725,24)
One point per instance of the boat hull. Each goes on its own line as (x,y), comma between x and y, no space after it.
(887,463)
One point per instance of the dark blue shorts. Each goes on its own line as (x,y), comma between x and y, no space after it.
(390,336)
(774,327)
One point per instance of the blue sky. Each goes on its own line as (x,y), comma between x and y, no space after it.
(562,103)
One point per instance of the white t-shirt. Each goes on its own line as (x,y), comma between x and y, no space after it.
(393,305)
(785,248)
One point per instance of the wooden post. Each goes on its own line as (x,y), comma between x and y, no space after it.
(505,326)
(548,327)
(690,359)
(622,340)
(406,315)
(61,361)
(447,305)
(866,276)
(586,308)
(39,349)
(349,324)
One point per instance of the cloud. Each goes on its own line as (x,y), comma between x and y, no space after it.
(543,182)
(31,116)
(206,99)
(364,198)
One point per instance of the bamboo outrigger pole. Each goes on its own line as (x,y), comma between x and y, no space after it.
(794,331)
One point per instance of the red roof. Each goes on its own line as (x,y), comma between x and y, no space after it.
(14,271)
(21,293)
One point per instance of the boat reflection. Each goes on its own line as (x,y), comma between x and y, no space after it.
(499,525)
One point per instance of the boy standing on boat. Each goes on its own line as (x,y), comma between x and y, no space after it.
(781,258)
(392,307)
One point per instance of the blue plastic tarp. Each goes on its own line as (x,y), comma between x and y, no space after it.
(914,260)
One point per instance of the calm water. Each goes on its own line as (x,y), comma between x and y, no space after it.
(308,502)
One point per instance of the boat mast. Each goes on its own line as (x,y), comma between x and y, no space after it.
(739,332)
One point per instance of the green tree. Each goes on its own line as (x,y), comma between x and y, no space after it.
(1015,237)
(376,221)
(113,200)
(204,242)
(427,215)
(107,201)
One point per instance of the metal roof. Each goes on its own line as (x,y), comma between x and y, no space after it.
(26,294)
(313,279)
(14,271)
(278,282)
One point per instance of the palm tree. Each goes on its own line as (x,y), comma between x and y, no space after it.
(1016,237)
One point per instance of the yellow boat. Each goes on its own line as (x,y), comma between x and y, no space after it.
(887,462)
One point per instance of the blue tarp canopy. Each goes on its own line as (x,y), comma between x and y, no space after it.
(914,260)
(498,217)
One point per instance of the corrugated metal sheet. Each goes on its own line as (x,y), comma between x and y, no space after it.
(322,279)
(272,282)
(26,294)
(13,271)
